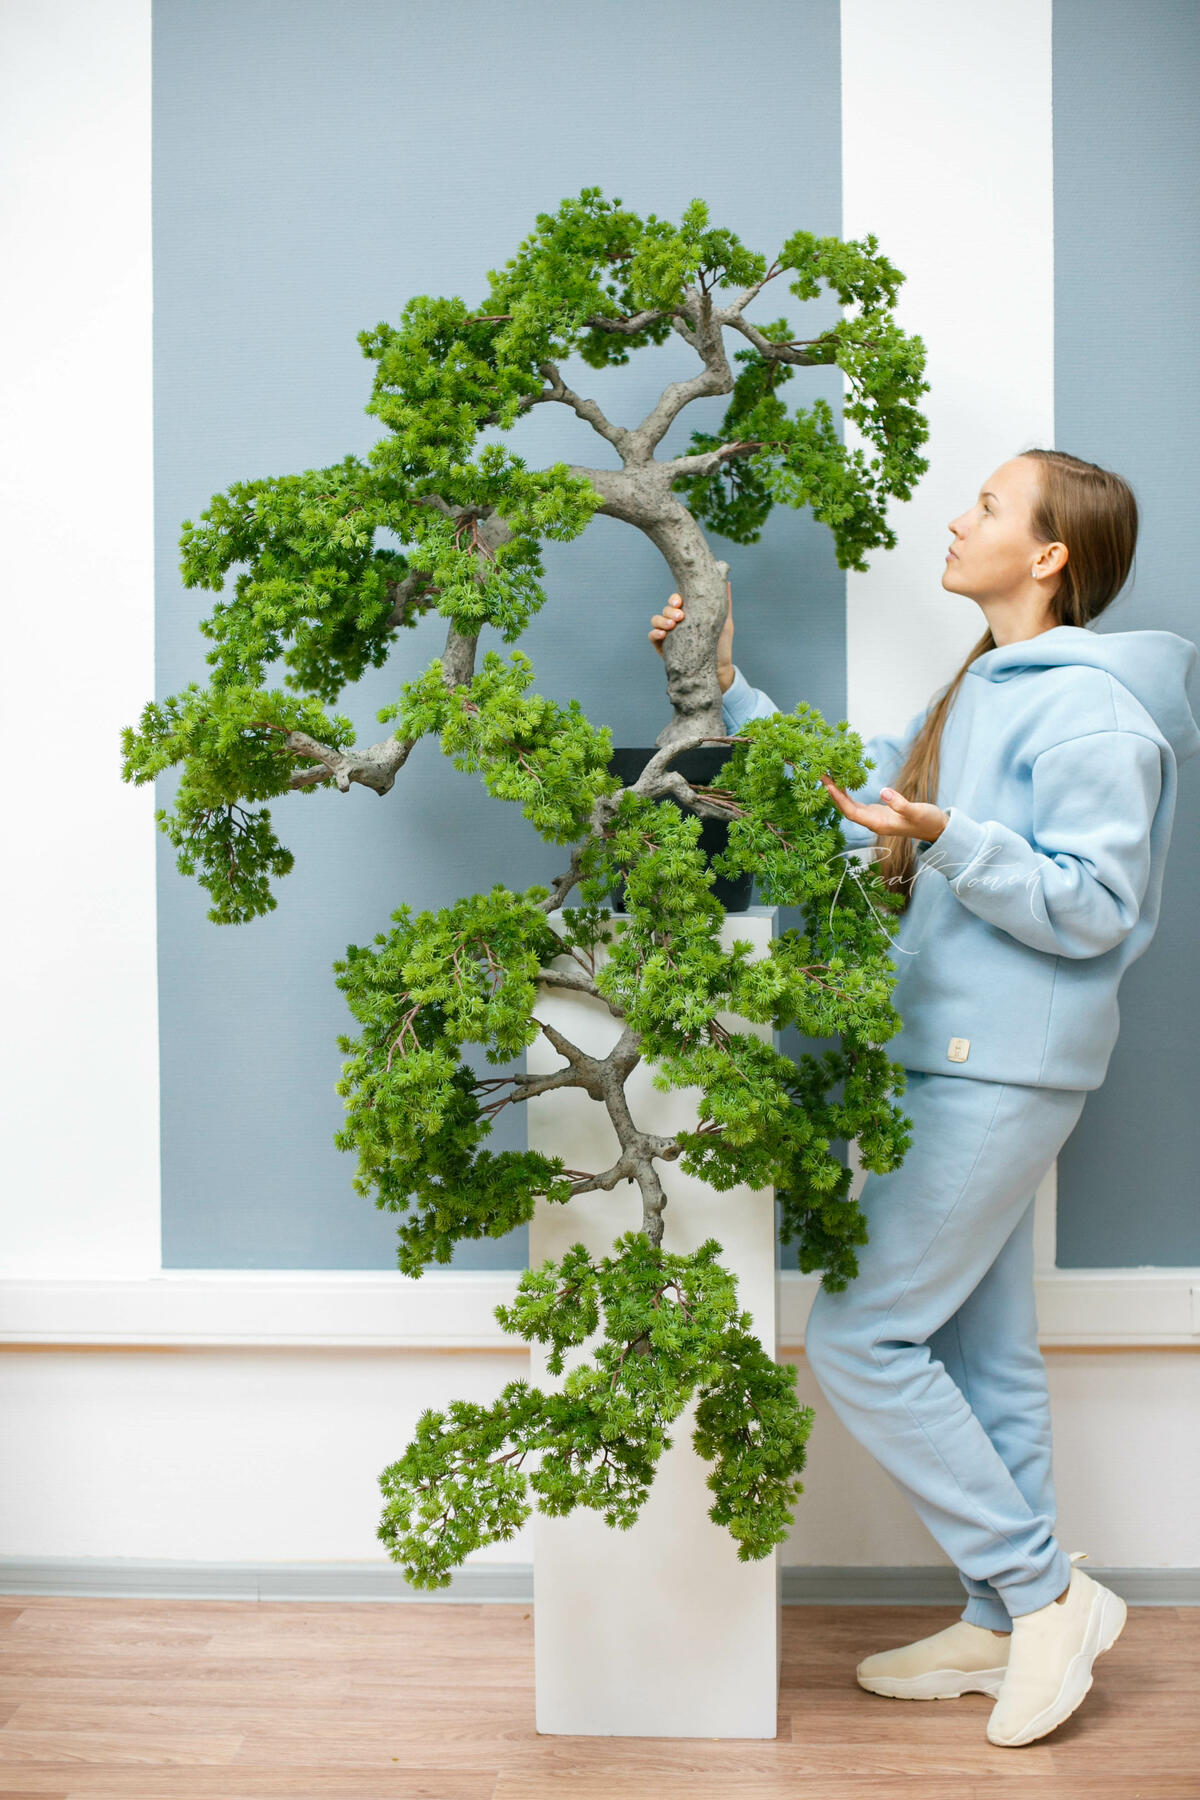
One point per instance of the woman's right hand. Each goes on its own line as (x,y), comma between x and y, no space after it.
(670,616)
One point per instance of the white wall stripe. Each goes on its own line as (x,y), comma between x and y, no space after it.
(80,1059)
(947,157)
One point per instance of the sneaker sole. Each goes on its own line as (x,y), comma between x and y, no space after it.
(935,1684)
(1105,1625)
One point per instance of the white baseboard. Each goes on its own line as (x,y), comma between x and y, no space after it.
(455,1310)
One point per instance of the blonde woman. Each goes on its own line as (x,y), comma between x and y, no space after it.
(1025,815)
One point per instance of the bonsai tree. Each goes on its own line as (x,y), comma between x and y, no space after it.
(319,594)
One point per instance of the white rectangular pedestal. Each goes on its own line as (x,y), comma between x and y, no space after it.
(658,1631)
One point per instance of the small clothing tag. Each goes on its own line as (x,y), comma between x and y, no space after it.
(959,1049)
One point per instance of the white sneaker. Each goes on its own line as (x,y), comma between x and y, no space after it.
(963,1659)
(1050,1662)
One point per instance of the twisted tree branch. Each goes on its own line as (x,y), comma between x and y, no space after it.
(715,378)
(586,409)
(791,352)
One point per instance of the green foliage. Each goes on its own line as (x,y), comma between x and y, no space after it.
(440,376)
(317,591)
(232,744)
(671,1329)
(800,460)
(464,974)
(318,600)
(506,591)
(751,1426)
(319,594)
(553,762)
(735,500)
(666,967)
(556,285)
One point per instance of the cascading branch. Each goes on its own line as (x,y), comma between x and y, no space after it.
(317,595)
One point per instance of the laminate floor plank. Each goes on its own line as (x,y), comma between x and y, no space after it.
(267,1695)
(126,1783)
(134,1699)
(71,1745)
(339,1675)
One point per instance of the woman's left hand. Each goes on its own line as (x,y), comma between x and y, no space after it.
(900,818)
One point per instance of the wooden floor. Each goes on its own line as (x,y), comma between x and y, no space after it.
(237,1700)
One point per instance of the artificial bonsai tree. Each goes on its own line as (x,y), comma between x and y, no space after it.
(318,593)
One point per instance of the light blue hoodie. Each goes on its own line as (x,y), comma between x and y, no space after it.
(1059,770)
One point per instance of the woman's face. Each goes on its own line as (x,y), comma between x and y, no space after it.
(994,554)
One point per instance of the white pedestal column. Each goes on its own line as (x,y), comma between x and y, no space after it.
(658,1631)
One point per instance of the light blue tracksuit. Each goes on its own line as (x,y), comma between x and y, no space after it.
(1058,770)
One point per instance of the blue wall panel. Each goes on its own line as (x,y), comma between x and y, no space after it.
(1127,395)
(315,165)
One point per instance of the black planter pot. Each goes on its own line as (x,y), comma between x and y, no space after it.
(701,767)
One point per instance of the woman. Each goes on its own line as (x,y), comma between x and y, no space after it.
(1025,815)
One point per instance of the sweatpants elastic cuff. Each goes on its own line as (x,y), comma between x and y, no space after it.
(991,1614)
(1030,1596)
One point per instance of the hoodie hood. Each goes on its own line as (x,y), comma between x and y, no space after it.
(1153,665)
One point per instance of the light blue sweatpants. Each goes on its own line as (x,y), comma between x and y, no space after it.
(930,1355)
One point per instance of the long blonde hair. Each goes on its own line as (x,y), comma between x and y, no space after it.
(1094,513)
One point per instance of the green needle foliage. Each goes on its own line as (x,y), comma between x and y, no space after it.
(671,1332)
(317,601)
(552,762)
(466,974)
(232,742)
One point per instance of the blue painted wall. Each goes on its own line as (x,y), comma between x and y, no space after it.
(1127,395)
(315,166)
